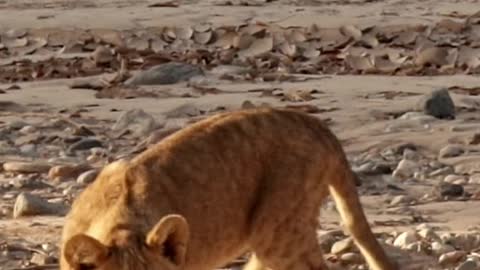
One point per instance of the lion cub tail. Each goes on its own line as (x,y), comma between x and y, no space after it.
(343,189)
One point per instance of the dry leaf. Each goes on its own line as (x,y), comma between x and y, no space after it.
(258,47)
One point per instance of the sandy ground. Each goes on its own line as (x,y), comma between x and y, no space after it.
(353,122)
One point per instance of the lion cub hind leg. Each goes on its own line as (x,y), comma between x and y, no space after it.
(343,190)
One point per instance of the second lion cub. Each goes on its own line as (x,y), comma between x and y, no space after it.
(250,180)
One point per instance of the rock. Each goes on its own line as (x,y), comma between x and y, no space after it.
(27,130)
(419,117)
(451,178)
(405,239)
(101,55)
(451,257)
(437,103)
(185,110)
(474,140)
(441,171)
(474,179)
(26,167)
(31,205)
(28,149)
(136,121)
(405,169)
(450,190)
(169,73)
(63,172)
(400,199)
(42,259)
(17,125)
(342,246)
(373,168)
(451,150)
(351,258)
(468,265)
(87,177)
(440,248)
(84,144)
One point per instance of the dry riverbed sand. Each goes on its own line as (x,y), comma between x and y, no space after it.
(372,69)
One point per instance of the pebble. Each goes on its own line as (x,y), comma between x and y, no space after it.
(27,130)
(405,169)
(26,167)
(468,265)
(136,121)
(440,248)
(474,140)
(342,246)
(400,199)
(102,55)
(451,178)
(28,149)
(351,258)
(169,73)
(405,239)
(450,190)
(17,124)
(451,257)
(451,150)
(87,177)
(42,259)
(84,144)
(474,179)
(30,205)
(64,172)
(437,103)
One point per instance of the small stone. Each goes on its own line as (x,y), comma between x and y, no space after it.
(468,265)
(185,110)
(84,144)
(474,179)
(63,172)
(31,205)
(452,178)
(437,103)
(405,169)
(26,167)
(439,248)
(169,73)
(474,140)
(342,246)
(450,190)
(400,199)
(351,258)
(102,55)
(28,149)
(428,233)
(451,150)
(87,177)
(405,239)
(136,121)
(451,257)
(42,259)
(27,129)
(17,125)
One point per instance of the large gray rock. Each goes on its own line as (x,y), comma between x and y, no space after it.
(136,121)
(437,103)
(169,73)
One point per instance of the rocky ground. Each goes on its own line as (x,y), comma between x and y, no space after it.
(83,83)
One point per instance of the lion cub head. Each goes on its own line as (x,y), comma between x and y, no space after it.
(163,248)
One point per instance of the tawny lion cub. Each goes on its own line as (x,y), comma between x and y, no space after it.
(251,180)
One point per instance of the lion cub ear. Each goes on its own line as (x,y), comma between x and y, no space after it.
(170,236)
(85,252)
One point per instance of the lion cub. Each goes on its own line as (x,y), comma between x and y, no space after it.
(250,180)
